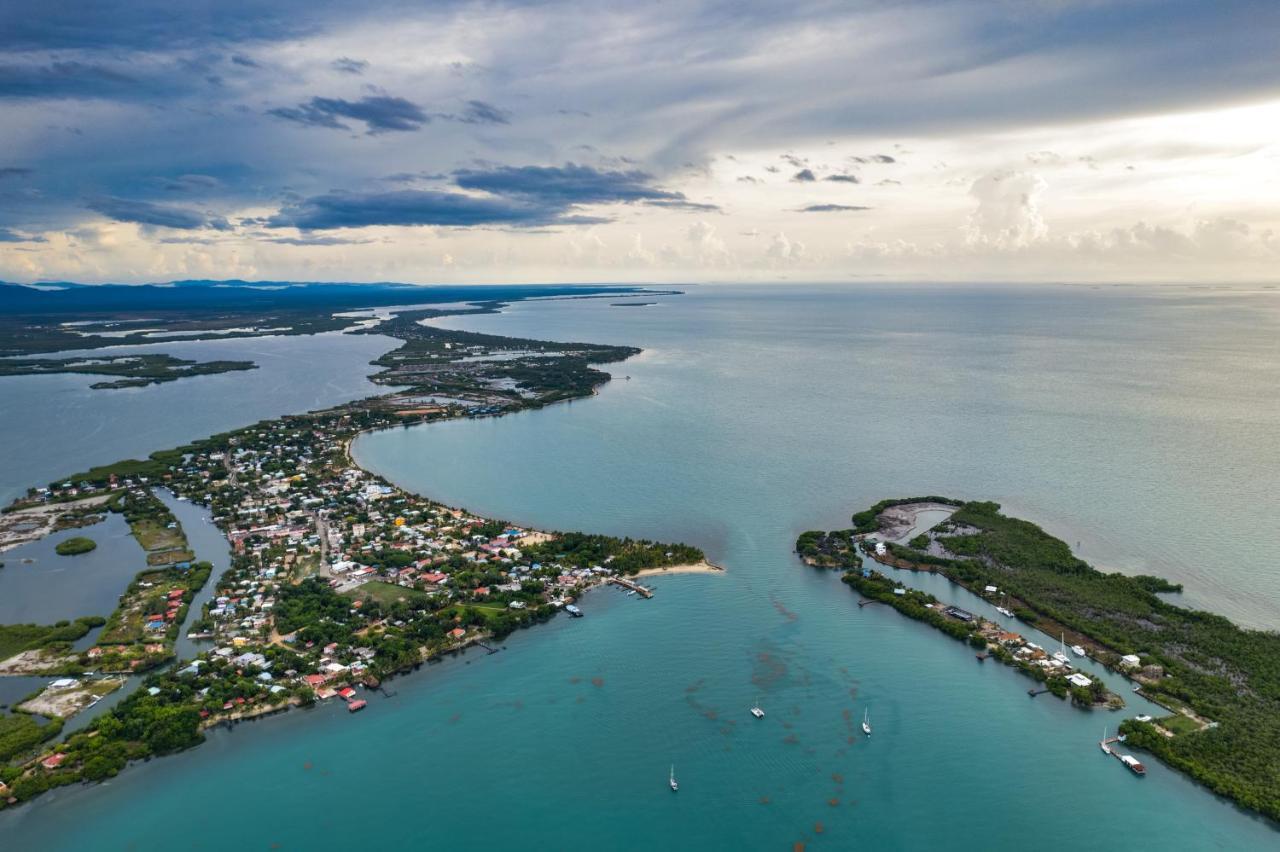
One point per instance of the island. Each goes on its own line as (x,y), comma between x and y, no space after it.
(338,579)
(1220,683)
(134,371)
(75,546)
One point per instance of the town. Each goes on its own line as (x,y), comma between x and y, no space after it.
(338,579)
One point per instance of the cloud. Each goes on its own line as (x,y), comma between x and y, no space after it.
(843,178)
(567,185)
(8,236)
(874,158)
(380,113)
(70,79)
(1007,214)
(192,183)
(244,61)
(479,112)
(803,176)
(158,215)
(831,208)
(411,207)
(349,66)
(13,172)
(783,249)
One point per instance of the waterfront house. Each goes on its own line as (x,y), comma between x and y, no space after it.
(1079,679)
(1130,661)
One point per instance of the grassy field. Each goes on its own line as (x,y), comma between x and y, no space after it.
(169,557)
(1179,724)
(385,593)
(156,536)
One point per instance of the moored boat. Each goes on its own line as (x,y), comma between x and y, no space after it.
(866,722)
(573,611)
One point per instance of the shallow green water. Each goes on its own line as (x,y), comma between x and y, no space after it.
(1139,423)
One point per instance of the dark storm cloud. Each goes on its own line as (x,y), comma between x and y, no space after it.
(380,113)
(831,208)
(158,215)
(804,176)
(843,178)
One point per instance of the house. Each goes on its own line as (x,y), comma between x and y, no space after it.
(457,633)
(53,761)
(1130,661)
(1079,679)
(957,612)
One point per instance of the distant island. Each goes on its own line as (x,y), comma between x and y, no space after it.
(1220,682)
(135,371)
(338,579)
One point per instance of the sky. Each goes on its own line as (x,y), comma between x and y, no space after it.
(1024,140)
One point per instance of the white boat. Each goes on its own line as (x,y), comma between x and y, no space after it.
(674,785)
(866,722)
(1077,650)
(1007,613)
(757,712)
(1061,654)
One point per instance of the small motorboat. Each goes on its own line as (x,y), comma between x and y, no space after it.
(674,786)
(866,722)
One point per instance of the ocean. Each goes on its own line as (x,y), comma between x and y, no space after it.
(1136,423)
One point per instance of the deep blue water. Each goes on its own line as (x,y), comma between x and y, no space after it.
(1139,423)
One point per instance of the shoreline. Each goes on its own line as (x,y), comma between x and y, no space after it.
(703,567)
(447,543)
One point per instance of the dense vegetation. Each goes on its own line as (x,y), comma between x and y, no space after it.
(624,555)
(75,546)
(15,638)
(835,549)
(132,370)
(1205,663)
(20,734)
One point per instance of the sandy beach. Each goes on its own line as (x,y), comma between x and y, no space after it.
(703,567)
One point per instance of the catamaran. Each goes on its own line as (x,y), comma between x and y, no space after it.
(757,712)
(866,721)
(674,785)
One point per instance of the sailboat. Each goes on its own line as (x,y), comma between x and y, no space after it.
(866,722)
(674,786)
(1061,654)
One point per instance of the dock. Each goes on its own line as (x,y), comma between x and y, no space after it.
(632,585)
(868,602)
(1127,761)
(1033,692)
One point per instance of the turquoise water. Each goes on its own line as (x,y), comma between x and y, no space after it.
(1139,423)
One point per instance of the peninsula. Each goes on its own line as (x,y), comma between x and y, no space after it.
(338,579)
(1220,682)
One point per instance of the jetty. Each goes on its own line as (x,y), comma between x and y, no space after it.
(1126,760)
(632,585)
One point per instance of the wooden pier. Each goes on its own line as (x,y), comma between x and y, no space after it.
(632,585)
(867,602)
(1033,692)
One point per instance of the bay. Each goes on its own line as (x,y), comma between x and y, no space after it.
(1138,423)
